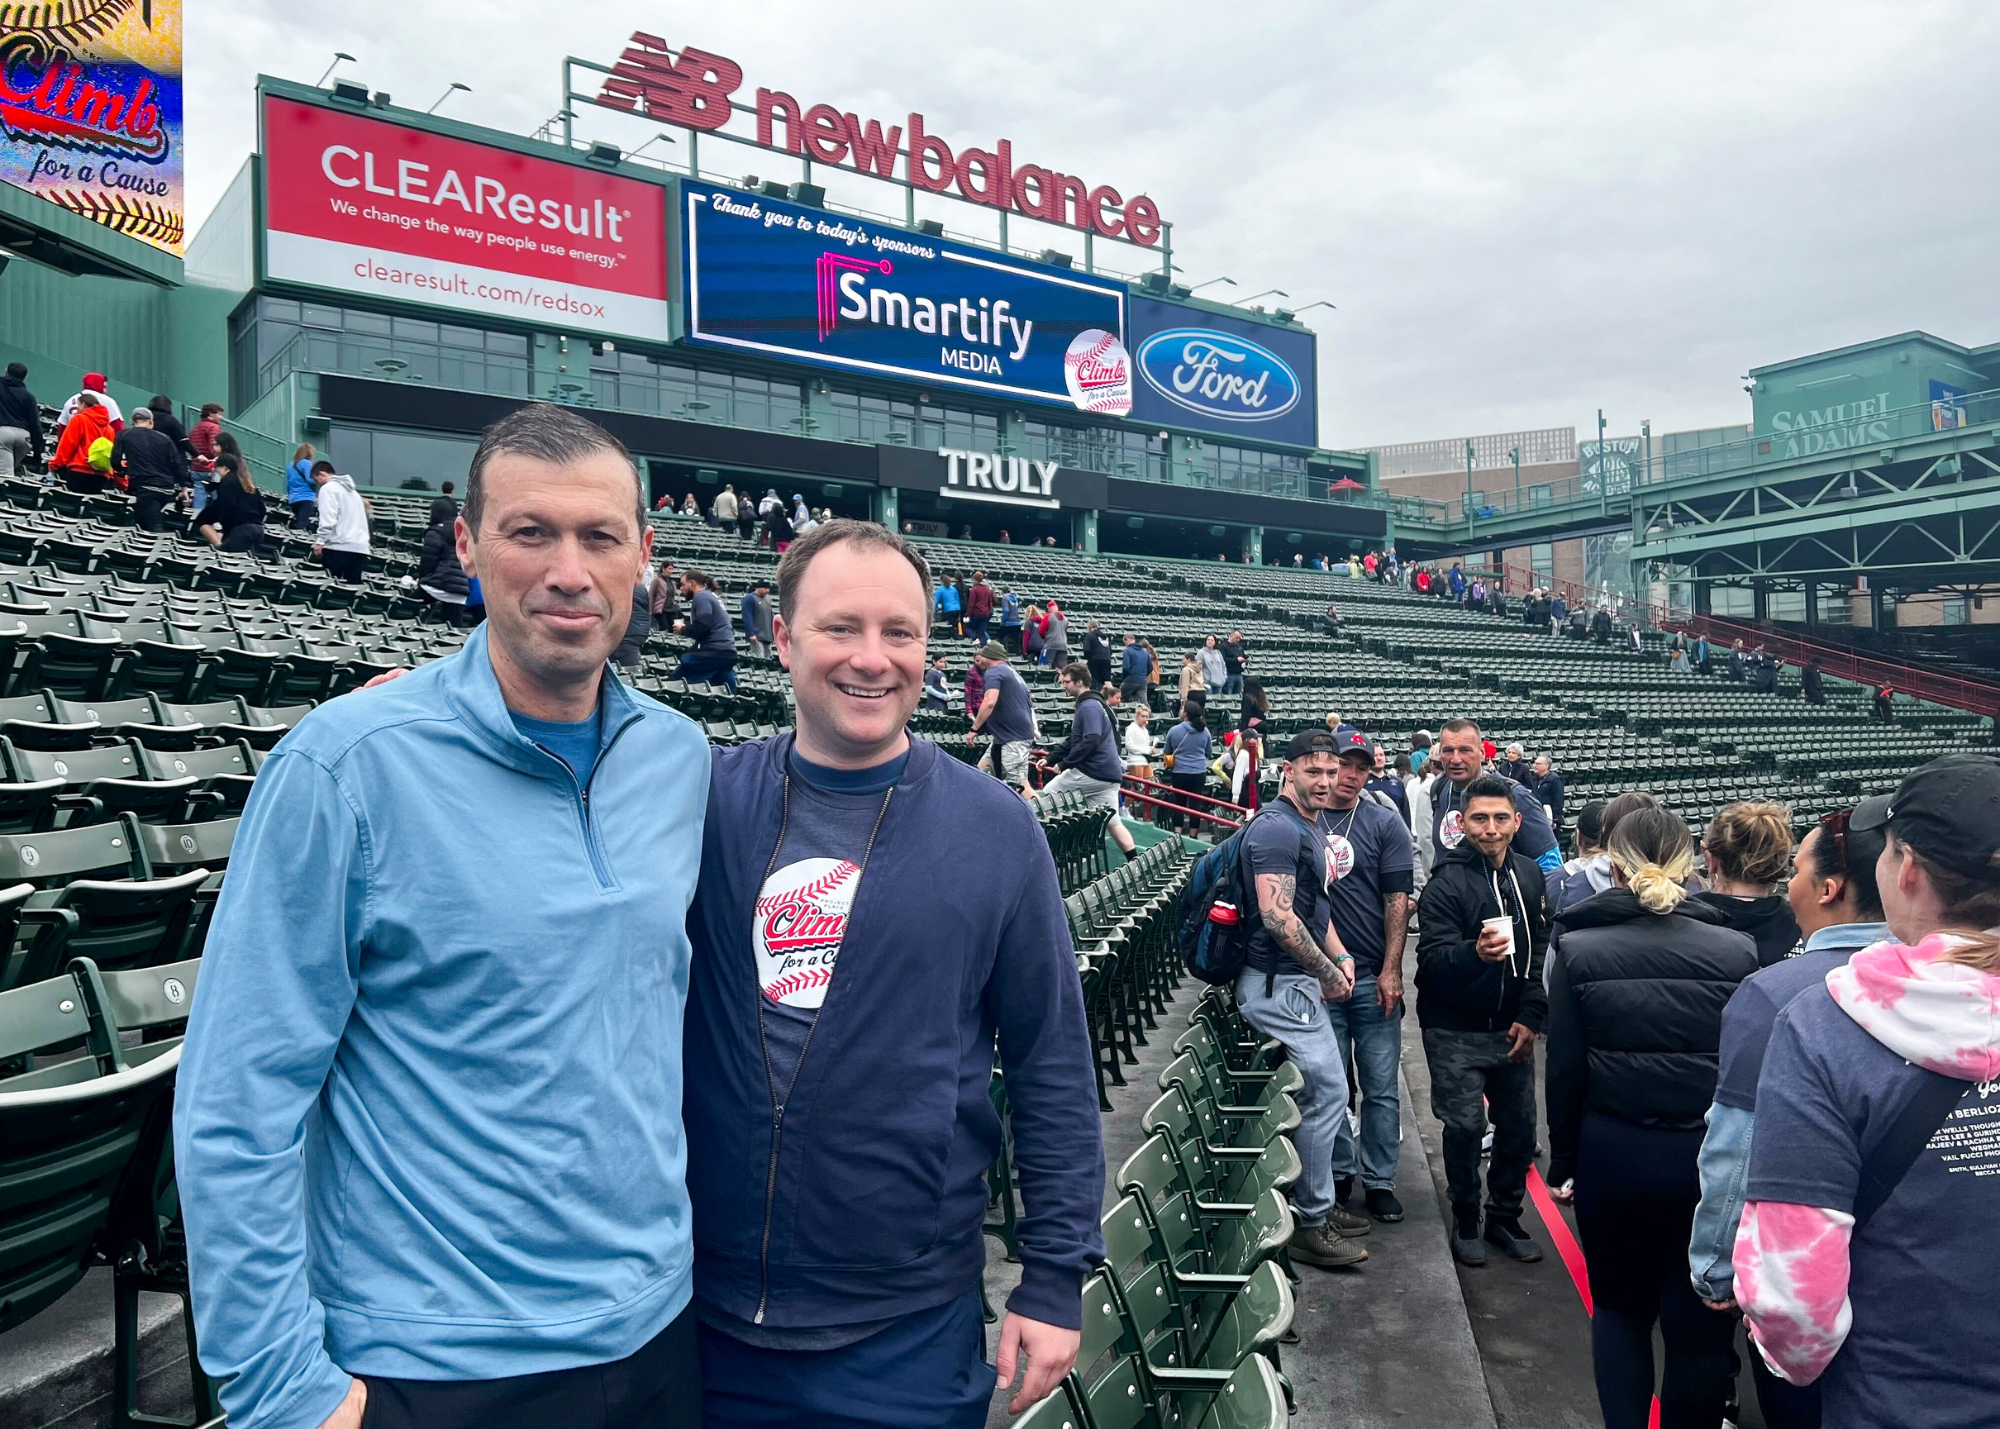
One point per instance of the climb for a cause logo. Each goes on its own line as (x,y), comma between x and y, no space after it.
(800,920)
(1451,829)
(1099,373)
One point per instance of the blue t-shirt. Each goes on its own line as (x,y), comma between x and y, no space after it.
(1920,1351)
(1013,718)
(575,744)
(1368,856)
(1280,840)
(1753,1008)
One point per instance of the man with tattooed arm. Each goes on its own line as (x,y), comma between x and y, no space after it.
(1295,966)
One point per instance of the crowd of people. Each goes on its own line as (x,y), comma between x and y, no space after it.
(459,1157)
(1751,1047)
(768,521)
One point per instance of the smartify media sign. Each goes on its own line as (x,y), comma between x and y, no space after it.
(1225,375)
(812,286)
(362,205)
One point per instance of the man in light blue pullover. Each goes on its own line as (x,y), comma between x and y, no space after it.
(428,1128)
(1839,910)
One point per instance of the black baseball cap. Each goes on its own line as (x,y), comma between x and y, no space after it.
(1948,811)
(1308,742)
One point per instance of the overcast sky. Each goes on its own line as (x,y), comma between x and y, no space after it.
(1523,212)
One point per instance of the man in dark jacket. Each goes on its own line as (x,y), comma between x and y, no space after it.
(1088,761)
(1461,754)
(153,467)
(1097,656)
(1547,786)
(713,654)
(1600,625)
(443,506)
(20,421)
(1232,663)
(1483,930)
(837,1146)
(1812,683)
(630,654)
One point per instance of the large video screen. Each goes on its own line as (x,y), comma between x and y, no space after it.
(809,285)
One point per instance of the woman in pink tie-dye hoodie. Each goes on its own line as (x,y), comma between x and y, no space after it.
(1893,1312)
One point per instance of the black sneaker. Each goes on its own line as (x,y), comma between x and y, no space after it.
(1466,1246)
(1343,1189)
(1513,1242)
(1324,1246)
(1383,1205)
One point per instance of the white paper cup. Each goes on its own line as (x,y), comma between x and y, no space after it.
(1505,926)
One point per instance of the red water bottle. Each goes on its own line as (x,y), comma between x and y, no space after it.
(1224,913)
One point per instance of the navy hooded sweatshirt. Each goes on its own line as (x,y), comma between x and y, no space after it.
(862,1198)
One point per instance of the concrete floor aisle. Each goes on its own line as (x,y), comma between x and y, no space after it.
(1386,1343)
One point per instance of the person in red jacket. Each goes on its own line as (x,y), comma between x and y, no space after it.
(978,608)
(72,458)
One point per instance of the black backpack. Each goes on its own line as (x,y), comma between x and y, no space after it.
(1214,947)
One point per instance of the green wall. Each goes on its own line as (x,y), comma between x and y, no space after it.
(1834,400)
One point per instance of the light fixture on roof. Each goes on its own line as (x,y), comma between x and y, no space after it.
(350,91)
(602,152)
(455,87)
(338,56)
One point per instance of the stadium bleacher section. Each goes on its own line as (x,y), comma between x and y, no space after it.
(143,678)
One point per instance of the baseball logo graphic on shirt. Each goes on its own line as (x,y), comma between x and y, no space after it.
(800,920)
(1339,857)
(1451,829)
(1098,372)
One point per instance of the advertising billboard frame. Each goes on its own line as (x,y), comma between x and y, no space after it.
(1151,319)
(668,330)
(1056,394)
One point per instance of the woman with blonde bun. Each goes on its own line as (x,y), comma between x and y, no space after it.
(1639,976)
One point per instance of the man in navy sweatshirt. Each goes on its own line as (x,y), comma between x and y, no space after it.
(848,995)
(426,1130)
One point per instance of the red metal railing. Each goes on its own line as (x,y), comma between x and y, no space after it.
(1175,803)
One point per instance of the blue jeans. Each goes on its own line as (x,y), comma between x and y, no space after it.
(924,1370)
(1294,1015)
(1233,685)
(714,666)
(1378,1054)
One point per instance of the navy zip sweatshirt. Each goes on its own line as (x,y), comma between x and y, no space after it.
(860,1196)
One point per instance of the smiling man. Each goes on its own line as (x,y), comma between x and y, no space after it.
(846,1003)
(449,967)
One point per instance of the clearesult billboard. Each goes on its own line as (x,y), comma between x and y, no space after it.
(1230,376)
(90,112)
(809,285)
(367,206)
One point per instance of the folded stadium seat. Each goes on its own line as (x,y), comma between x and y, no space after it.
(165,666)
(86,1150)
(31,722)
(1179,1357)
(64,501)
(1221,1155)
(18,491)
(1118,1398)
(102,782)
(226,772)
(65,662)
(264,725)
(236,667)
(301,676)
(123,919)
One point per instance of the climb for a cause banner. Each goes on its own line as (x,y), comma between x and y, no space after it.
(362,205)
(90,112)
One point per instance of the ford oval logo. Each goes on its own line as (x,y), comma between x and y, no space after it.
(1217,374)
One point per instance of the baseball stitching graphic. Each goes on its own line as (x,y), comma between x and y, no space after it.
(800,919)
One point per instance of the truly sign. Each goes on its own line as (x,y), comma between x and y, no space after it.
(984,476)
(693,90)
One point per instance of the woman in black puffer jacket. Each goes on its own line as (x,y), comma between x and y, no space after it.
(1639,975)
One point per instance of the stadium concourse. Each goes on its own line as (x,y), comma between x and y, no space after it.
(148,674)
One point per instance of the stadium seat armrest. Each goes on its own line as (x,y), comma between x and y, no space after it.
(1224,1208)
(1227,1284)
(53,929)
(1192,1381)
